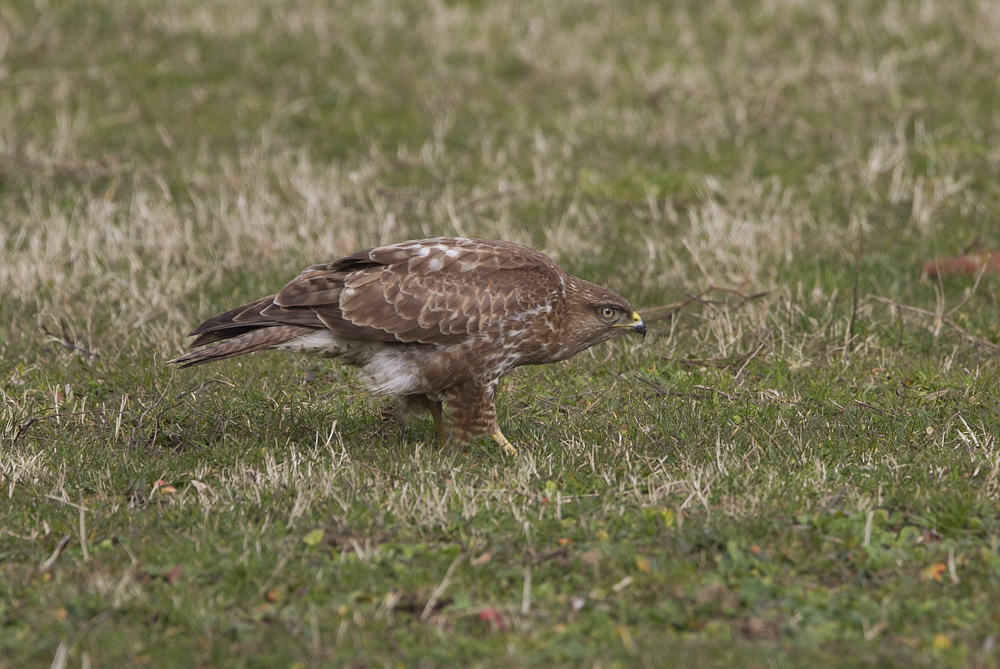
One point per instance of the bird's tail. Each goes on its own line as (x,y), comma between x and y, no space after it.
(239,331)
(241,342)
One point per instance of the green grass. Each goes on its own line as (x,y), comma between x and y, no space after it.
(797,469)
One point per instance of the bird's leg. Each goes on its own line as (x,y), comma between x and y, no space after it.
(503,442)
(435,406)
(472,411)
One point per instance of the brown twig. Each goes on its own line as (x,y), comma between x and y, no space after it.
(753,354)
(31,420)
(653,314)
(708,391)
(23,427)
(939,319)
(65,342)
(660,390)
(729,361)
(716,391)
(872,407)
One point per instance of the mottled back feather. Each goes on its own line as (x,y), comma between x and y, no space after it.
(434,291)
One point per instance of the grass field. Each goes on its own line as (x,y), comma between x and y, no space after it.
(798,467)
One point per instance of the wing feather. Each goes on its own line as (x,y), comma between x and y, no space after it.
(434,291)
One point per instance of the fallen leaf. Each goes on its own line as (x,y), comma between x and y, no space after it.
(666,516)
(759,628)
(933,572)
(163,486)
(313,538)
(717,594)
(494,618)
(876,629)
(970,265)
(626,638)
(200,487)
(482,559)
(174,574)
(930,536)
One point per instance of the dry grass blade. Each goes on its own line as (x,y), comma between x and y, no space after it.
(439,591)
(51,560)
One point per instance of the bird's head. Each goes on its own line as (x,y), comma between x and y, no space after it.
(595,314)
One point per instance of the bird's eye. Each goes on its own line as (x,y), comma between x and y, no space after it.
(608,313)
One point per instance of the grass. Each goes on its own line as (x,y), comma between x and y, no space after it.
(799,468)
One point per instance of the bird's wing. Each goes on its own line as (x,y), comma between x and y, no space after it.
(434,291)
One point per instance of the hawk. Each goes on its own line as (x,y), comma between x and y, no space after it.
(430,321)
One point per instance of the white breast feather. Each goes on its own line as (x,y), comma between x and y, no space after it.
(384,370)
(391,372)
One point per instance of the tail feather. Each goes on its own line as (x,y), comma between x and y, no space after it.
(233,323)
(242,342)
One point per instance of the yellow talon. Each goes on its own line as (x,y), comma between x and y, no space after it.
(504,443)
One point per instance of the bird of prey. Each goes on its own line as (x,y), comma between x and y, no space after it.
(430,321)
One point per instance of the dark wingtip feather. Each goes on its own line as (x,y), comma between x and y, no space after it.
(240,317)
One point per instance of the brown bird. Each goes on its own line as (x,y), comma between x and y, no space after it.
(429,320)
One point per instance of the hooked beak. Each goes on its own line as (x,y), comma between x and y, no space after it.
(636,325)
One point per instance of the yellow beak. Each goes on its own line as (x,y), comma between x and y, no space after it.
(636,325)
